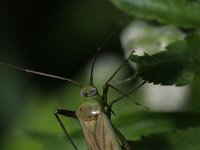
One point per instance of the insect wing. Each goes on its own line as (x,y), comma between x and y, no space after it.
(99,133)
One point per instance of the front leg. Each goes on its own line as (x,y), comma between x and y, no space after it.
(67,113)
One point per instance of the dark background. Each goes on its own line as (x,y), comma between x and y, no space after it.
(53,36)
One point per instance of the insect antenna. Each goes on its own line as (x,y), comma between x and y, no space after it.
(99,48)
(42,74)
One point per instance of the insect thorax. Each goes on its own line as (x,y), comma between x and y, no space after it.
(89,108)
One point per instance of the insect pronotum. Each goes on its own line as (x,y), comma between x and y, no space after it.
(94,113)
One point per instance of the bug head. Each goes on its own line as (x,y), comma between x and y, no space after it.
(89,91)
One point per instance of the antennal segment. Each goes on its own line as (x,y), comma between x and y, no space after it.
(41,74)
(99,49)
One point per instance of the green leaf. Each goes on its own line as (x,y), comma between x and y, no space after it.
(182,13)
(176,66)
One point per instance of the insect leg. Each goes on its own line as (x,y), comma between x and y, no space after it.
(123,140)
(127,95)
(109,105)
(67,113)
(106,85)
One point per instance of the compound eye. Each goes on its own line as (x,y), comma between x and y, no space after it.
(82,93)
(92,91)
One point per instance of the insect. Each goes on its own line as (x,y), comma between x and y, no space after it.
(94,113)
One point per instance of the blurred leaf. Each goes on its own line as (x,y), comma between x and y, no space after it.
(176,66)
(187,139)
(182,13)
(136,125)
(146,37)
(48,140)
(195,95)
